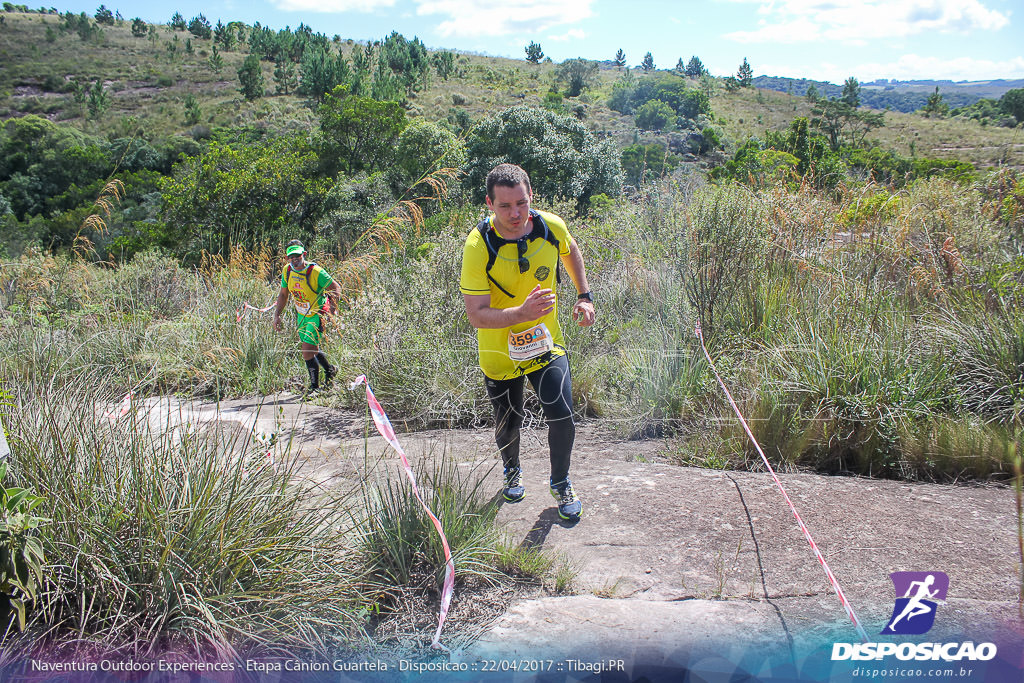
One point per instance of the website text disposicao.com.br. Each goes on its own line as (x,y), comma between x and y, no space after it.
(912,673)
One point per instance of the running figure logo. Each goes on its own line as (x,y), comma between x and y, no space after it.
(914,612)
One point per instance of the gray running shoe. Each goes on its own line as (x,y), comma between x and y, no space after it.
(569,506)
(513,491)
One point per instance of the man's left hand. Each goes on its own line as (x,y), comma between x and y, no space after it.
(583,313)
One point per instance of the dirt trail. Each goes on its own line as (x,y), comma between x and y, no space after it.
(681,565)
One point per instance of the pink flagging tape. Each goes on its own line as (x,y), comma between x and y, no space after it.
(246,306)
(814,546)
(383,424)
(126,404)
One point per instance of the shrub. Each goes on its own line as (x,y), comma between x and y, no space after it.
(562,157)
(21,552)
(654,115)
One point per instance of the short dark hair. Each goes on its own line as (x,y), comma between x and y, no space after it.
(294,243)
(507,175)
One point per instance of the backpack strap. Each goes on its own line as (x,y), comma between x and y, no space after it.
(494,243)
(309,277)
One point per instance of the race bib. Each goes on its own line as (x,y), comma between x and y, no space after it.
(302,307)
(530,343)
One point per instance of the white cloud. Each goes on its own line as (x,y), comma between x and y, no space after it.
(503,17)
(908,67)
(333,6)
(571,34)
(850,21)
(914,67)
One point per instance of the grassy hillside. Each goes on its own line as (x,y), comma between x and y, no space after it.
(149,78)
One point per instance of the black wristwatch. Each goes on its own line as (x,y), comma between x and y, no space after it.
(585,296)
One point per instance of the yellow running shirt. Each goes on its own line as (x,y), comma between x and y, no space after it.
(493,344)
(308,301)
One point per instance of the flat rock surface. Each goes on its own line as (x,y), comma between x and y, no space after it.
(675,561)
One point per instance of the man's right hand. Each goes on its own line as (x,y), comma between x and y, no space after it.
(277,323)
(538,303)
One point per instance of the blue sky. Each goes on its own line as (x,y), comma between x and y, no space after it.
(819,39)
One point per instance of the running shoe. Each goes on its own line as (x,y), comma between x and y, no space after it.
(569,506)
(513,491)
(331,371)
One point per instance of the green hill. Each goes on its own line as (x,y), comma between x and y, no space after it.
(120,98)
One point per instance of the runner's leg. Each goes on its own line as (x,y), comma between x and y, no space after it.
(507,399)
(553,385)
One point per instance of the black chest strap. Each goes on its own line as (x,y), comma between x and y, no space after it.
(494,243)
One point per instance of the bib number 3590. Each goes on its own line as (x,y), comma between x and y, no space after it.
(530,343)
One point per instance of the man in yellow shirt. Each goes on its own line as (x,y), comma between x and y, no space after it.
(509,271)
(311,287)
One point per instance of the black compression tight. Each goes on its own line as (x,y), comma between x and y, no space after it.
(554,389)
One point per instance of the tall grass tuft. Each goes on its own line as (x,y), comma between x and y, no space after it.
(179,538)
(986,345)
(399,543)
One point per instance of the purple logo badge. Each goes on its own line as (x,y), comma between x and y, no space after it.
(917,595)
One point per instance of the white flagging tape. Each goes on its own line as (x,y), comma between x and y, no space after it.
(821,558)
(246,306)
(383,424)
(126,404)
(5,450)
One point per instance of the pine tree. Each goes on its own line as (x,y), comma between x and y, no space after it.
(935,106)
(192,111)
(533,53)
(695,67)
(99,100)
(620,58)
(284,77)
(250,76)
(104,16)
(745,75)
(216,61)
(851,92)
(648,63)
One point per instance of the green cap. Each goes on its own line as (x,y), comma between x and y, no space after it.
(295,249)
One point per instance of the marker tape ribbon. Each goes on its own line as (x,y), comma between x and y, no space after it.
(821,558)
(383,424)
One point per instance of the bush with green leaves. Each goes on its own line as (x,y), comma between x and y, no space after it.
(41,160)
(577,74)
(424,147)
(244,195)
(756,164)
(562,156)
(357,133)
(630,93)
(654,115)
(21,552)
(250,78)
